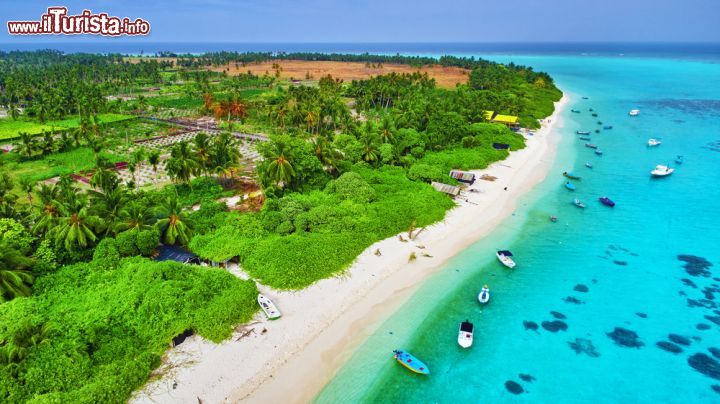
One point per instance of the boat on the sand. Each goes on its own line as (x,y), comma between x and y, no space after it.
(268,307)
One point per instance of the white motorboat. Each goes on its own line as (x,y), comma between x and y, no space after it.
(654,142)
(661,171)
(267,306)
(505,257)
(634,112)
(465,335)
(578,203)
(484,295)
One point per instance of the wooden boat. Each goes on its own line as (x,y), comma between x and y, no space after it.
(569,185)
(599,152)
(607,127)
(505,257)
(585,138)
(634,112)
(606,201)
(578,203)
(661,171)
(414,364)
(582,132)
(591,146)
(571,176)
(577,111)
(465,334)
(267,306)
(484,295)
(595,114)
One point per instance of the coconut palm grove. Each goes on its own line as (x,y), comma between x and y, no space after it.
(109,162)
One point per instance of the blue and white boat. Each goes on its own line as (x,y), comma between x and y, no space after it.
(578,203)
(484,295)
(414,364)
(569,185)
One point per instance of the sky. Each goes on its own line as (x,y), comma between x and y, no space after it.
(396,20)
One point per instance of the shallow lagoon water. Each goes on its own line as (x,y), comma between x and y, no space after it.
(599,300)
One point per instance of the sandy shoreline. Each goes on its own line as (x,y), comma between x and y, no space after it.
(294,357)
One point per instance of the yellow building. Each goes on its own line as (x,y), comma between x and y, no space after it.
(509,120)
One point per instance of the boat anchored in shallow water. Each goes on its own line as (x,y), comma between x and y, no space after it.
(571,176)
(578,203)
(598,152)
(414,364)
(582,132)
(505,258)
(484,295)
(607,127)
(588,165)
(569,185)
(268,307)
(634,112)
(606,201)
(465,335)
(653,142)
(679,159)
(576,111)
(661,171)
(591,146)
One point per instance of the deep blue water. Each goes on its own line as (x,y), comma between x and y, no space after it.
(614,278)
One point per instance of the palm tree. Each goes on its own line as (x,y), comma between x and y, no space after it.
(48,143)
(76,224)
(324,152)
(280,169)
(47,217)
(27,185)
(369,149)
(172,224)
(181,165)
(15,279)
(108,206)
(135,216)
(387,130)
(224,152)
(27,145)
(202,144)
(137,157)
(154,159)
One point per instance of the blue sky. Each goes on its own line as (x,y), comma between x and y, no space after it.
(399,20)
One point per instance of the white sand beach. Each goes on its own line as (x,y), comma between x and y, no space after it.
(291,359)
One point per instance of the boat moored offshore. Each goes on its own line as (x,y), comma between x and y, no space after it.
(634,112)
(484,295)
(653,142)
(571,176)
(606,201)
(409,361)
(505,258)
(465,334)
(578,203)
(661,171)
(569,185)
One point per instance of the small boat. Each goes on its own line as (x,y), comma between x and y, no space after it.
(585,98)
(588,165)
(606,201)
(597,130)
(582,132)
(569,185)
(595,114)
(268,307)
(591,146)
(653,142)
(571,176)
(661,171)
(578,203)
(607,127)
(505,257)
(599,122)
(577,111)
(484,295)
(679,159)
(634,112)
(411,362)
(585,138)
(599,152)
(553,219)
(590,109)
(465,335)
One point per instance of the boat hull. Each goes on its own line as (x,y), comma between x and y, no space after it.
(268,307)
(411,363)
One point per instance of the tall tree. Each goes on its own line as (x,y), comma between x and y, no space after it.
(173,225)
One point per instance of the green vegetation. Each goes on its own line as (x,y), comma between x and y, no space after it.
(92,334)
(87,316)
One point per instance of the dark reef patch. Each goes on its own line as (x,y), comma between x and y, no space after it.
(625,338)
(708,304)
(584,346)
(713,146)
(715,352)
(558,315)
(641,315)
(695,266)
(679,339)
(620,263)
(714,319)
(573,300)
(702,326)
(514,387)
(705,365)
(689,282)
(554,326)
(530,325)
(715,388)
(527,378)
(581,288)
(669,346)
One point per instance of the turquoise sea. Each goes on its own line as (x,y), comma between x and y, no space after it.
(581,316)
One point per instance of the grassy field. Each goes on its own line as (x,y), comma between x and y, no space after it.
(10,129)
(54,165)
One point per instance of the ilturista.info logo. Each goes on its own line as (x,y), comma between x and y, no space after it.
(57,22)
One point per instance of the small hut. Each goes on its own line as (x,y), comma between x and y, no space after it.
(447,189)
(177,254)
(463,176)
